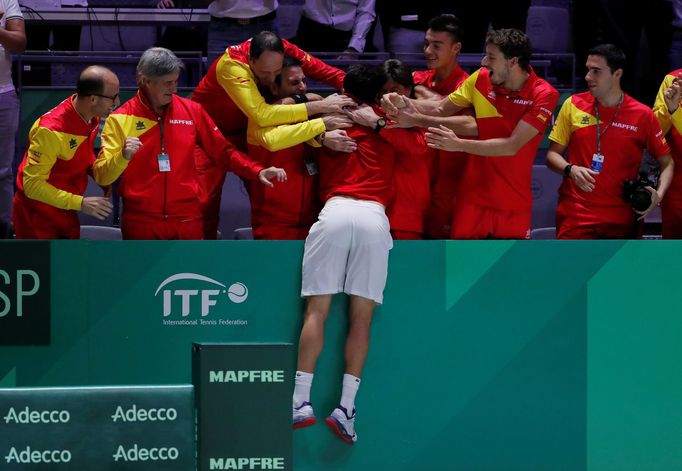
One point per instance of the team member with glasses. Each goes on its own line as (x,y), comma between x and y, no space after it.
(54,172)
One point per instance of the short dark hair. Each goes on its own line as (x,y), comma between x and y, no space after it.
(288,62)
(90,84)
(363,82)
(265,41)
(398,71)
(447,23)
(513,43)
(614,56)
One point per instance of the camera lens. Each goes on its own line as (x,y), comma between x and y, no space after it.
(641,200)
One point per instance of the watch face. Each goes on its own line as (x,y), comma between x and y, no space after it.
(381,122)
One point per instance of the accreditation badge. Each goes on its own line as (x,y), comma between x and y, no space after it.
(164,162)
(597,162)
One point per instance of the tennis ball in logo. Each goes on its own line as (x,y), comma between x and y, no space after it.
(238,292)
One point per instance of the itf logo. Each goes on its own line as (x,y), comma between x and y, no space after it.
(191,291)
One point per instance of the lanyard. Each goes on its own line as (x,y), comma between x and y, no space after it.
(599,132)
(163,148)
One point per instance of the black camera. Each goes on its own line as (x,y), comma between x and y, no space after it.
(635,192)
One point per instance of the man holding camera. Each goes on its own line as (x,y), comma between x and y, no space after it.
(605,131)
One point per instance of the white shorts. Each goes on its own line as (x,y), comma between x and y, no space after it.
(347,250)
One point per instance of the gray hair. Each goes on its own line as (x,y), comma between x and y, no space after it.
(157,62)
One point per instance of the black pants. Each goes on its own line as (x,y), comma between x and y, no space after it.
(315,37)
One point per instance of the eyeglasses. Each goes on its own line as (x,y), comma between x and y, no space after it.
(112,98)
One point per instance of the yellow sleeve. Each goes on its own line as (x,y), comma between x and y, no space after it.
(463,97)
(44,148)
(238,81)
(110,162)
(276,138)
(561,132)
(661,109)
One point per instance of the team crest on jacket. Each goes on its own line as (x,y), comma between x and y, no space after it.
(139,126)
(585,120)
(72,143)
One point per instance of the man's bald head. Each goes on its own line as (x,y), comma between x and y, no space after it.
(94,79)
(97,92)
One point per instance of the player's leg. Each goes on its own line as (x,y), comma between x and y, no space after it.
(309,348)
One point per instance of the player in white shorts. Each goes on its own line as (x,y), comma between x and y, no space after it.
(347,250)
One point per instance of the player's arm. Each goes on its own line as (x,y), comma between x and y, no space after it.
(41,157)
(115,153)
(395,104)
(211,141)
(443,138)
(13,35)
(438,112)
(315,68)
(533,122)
(288,135)
(667,105)
(657,146)
(44,146)
(238,83)
(424,93)
(364,16)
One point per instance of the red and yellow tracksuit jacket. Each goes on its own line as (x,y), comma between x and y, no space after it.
(145,189)
(53,175)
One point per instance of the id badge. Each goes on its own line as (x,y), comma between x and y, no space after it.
(311,166)
(597,162)
(164,162)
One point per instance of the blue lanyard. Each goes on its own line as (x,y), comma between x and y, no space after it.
(599,133)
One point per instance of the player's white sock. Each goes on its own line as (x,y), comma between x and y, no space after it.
(302,385)
(350,389)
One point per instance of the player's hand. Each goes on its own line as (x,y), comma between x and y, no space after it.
(348,55)
(131,146)
(269,173)
(655,201)
(336,121)
(339,141)
(584,177)
(443,138)
(97,206)
(165,4)
(363,115)
(672,96)
(335,103)
(392,103)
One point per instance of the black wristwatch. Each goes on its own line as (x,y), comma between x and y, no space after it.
(300,98)
(381,124)
(567,170)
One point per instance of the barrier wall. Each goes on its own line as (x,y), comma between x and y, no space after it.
(487,355)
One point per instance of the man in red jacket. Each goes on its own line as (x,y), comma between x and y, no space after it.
(150,141)
(286,211)
(513,107)
(442,44)
(54,173)
(414,164)
(229,92)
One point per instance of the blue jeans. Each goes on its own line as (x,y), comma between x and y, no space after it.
(9,124)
